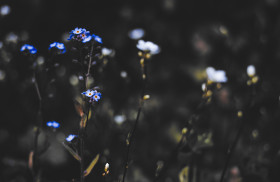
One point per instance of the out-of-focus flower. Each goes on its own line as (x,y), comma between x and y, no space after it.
(5,10)
(251,70)
(123,74)
(106,52)
(136,33)
(59,46)
(203,87)
(12,38)
(28,48)
(217,76)
(53,124)
(70,137)
(2,75)
(1,45)
(119,119)
(148,46)
(97,38)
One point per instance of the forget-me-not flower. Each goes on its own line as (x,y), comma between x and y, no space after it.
(59,46)
(29,48)
(88,93)
(92,94)
(70,137)
(53,124)
(97,38)
(96,96)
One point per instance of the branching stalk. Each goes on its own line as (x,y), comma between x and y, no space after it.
(82,128)
(131,134)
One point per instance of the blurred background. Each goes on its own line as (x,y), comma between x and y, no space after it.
(192,35)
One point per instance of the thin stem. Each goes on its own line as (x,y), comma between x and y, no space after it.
(131,134)
(230,151)
(89,64)
(82,144)
(37,132)
(239,132)
(175,151)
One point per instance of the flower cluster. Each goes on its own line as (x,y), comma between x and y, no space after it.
(84,36)
(92,94)
(28,48)
(53,124)
(216,76)
(59,46)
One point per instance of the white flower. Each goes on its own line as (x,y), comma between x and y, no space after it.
(137,33)
(251,71)
(5,10)
(119,119)
(106,52)
(11,37)
(148,46)
(216,75)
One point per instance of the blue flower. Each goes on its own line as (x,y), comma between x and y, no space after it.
(53,124)
(97,38)
(88,93)
(78,31)
(29,48)
(96,96)
(70,137)
(59,46)
(85,37)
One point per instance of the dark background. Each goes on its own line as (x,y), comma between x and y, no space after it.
(189,34)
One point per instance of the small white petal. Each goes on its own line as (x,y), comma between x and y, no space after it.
(203,87)
(251,70)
